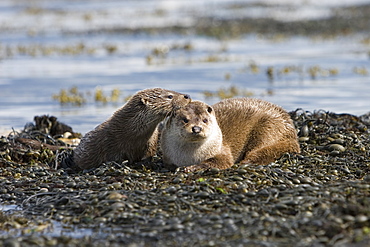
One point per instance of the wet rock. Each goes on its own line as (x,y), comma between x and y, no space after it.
(12,243)
(335,147)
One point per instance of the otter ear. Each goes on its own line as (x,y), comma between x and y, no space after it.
(209,109)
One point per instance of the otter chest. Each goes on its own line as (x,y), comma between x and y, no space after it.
(187,154)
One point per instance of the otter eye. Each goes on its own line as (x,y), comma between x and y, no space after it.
(185,120)
(205,120)
(170,96)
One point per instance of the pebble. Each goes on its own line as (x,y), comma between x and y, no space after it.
(303,139)
(177,180)
(242,171)
(214,170)
(115,196)
(335,147)
(12,243)
(171,199)
(202,194)
(43,190)
(361,218)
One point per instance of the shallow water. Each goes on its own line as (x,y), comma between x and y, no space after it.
(9,208)
(54,228)
(29,78)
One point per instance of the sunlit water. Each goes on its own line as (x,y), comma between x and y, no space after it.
(28,82)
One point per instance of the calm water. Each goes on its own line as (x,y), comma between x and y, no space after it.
(46,46)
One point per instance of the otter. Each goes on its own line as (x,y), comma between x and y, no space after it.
(191,135)
(131,132)
(241,130)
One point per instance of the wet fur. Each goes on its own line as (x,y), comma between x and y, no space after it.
(130,134)
(256,131)
(180,145)
(253,131)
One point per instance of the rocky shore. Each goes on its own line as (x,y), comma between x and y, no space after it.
(320,197)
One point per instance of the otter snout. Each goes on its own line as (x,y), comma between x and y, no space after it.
(196,129)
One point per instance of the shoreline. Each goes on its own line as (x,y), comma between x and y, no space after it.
(5,130)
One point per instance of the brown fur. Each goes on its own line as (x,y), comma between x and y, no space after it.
(191,135)
(130,134)
(253,131)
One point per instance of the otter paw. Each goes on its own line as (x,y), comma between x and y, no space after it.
(198,167)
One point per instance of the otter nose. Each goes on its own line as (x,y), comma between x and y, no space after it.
(186,96)
(196,129)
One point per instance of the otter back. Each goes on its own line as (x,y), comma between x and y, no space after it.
(256,131)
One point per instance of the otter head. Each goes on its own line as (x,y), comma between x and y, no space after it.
(194,121)
(163,101)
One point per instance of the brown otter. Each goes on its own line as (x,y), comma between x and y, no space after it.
(130,134)
(253,131)
(191,135)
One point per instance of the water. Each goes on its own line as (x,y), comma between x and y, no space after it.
(51,227)
(29,79)
(9,208)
